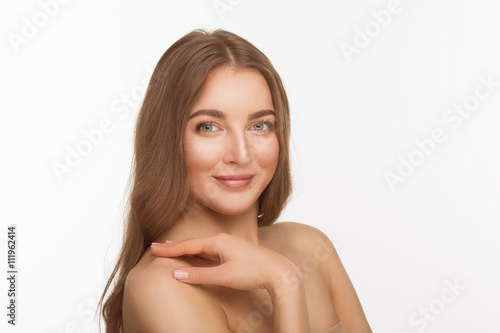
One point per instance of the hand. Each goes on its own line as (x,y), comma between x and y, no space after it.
(242,265)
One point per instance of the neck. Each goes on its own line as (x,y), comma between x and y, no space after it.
(205,222)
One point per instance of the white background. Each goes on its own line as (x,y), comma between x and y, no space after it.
(353,118)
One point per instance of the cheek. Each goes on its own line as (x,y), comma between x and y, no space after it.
(267,153)
(200,156)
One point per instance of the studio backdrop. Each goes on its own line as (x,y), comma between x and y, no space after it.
(395,108)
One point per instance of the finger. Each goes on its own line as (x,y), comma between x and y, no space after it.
(197,275)
(198,246)
(204,256)
(201,256)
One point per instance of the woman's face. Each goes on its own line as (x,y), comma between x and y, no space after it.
(231,145)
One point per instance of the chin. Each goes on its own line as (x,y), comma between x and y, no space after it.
(231,205)
(230,210)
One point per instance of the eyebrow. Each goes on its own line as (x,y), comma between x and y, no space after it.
(221,115)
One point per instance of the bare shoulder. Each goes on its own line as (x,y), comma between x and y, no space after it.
(314,244)
(154,301)
(305,245)
(302,237)
(310,247)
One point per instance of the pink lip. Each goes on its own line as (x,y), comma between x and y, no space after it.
(235,181)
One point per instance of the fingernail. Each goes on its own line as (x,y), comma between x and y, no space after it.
(168,241)
(154,244)
(181,274)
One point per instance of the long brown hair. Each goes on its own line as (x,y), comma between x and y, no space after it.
(160,184)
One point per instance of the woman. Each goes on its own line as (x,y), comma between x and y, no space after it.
(211,176)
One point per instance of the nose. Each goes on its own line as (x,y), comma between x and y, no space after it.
(236,148)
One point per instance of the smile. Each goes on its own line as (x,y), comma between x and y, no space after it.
(235,181)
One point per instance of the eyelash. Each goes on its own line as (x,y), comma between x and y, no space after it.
(270,126)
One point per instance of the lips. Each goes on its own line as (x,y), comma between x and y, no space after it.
(235,181)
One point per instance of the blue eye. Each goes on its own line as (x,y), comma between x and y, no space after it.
(259,127)
(263,126)
(206,127)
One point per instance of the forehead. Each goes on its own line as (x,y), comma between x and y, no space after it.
(231,90)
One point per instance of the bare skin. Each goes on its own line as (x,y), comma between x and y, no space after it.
(329,294)
(283,278)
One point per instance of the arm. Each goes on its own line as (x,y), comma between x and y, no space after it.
(344,297)
(316,245)
(246,266)
(154,302)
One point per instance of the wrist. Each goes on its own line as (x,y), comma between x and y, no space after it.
(289,301)
(285,282)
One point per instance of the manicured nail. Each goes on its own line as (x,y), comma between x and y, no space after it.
(168,241)
(181,274)
(154,244)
